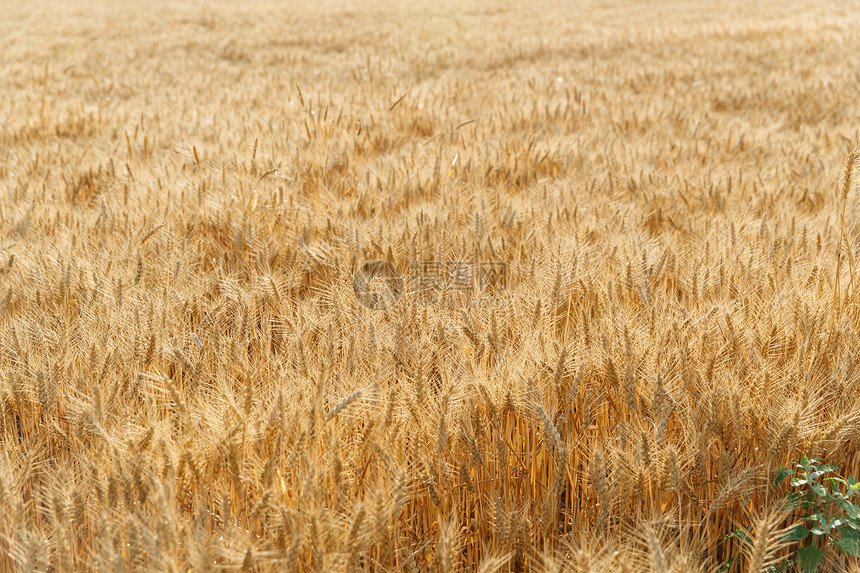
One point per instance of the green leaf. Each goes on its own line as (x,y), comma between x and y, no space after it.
(798,481)
(797,533)
(807,465)
(849,542)
(809,558)
(852,510)
(727,565)
(783,473)
(820,490)
(828,468)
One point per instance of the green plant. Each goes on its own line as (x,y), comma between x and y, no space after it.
(741,534)
(831,517)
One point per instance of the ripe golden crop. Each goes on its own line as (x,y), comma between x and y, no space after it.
(418,286)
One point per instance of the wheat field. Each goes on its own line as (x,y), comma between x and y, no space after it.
(422,286)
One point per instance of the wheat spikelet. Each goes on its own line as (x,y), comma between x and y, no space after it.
(847,183)
(767,540)
(735,488)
